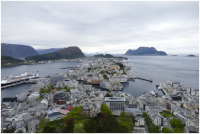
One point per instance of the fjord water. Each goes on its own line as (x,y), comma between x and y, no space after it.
(160,69)
(157,68)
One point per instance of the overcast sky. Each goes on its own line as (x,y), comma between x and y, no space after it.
(112,27)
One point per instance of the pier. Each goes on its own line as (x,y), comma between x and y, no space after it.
(22,82)
(143,79)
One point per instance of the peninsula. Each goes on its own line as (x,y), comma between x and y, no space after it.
(61,104)
(66,53)
(145,51)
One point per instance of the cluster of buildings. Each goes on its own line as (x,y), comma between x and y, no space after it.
(25,110)
(181,101)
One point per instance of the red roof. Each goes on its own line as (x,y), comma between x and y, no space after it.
(61,110)
(68,108)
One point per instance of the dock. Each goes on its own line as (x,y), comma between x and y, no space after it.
(22,82)
(144,79)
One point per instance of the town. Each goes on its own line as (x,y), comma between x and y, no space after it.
(54,97)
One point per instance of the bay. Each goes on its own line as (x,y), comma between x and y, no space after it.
(157,68)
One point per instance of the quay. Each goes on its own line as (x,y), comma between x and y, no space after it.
(22,82)
(143,79)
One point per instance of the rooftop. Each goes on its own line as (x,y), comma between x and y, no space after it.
(115,99)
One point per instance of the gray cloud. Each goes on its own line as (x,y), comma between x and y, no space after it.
(112,27)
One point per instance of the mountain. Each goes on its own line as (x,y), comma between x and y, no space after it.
(45,51)
(17,51)
(145,51)
(66,53)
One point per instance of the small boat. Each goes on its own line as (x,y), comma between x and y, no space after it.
(157,85)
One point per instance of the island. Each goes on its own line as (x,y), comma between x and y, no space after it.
(147,51)
(191,55)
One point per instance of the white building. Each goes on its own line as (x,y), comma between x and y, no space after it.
(115,103)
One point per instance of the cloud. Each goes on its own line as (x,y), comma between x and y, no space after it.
(112,27)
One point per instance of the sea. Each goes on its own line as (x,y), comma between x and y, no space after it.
(157,68)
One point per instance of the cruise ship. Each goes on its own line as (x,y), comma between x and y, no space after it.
(15,79)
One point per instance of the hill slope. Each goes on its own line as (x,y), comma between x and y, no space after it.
(66,53)
(45,51)
(10,61)
(145,51)
(17,51)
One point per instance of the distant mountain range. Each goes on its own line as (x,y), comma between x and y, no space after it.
(145,51)
(66,53)
(45,51)
(17,51)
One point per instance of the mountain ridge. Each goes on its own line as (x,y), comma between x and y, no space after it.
(66,53)
(49,50)
(145,51)
(17,51)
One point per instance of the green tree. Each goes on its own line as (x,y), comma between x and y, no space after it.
(122,114)
(154,129)
(176,123)
(51,86)
(43,123)
(177,130)
(166,130)
(76,113)
(105,109)
(126,119)
(78,128)
(9,130)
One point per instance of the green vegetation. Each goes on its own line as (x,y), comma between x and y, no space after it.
(108,95)
(76,122)
(151,127)
(39,98)
(127,102)
(102,72)
(105,76)
(7,61)
(124,72)
(104,124)
(42,90)
(126,120)
(177,130)
(66,53)
(105,109)
(122,96)
(97,68)
(68,124)
(9,130)
(120,65)
(166,130)
(166,114)
(176,123)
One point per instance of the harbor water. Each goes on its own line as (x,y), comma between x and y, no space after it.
(157,68)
